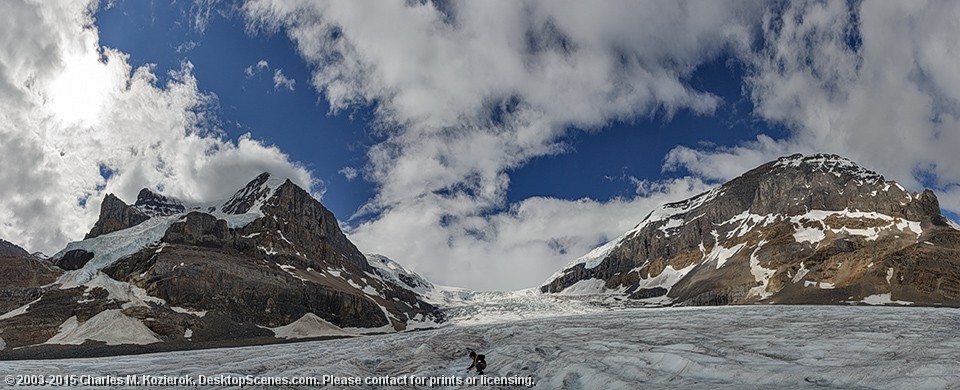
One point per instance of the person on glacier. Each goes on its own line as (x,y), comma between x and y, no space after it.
(478,361)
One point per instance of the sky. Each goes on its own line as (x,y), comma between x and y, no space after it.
(480,144)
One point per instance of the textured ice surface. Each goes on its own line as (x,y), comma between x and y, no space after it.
(700,348)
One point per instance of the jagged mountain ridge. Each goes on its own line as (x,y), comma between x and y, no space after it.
(8,248)
(269,257)
(801,229)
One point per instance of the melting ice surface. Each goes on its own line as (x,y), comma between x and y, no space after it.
(704,348)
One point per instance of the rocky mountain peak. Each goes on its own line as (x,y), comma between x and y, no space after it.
(154,204)
(115,215)
(828,163)
(249,198)
(297,222)
(270,257)
(8,248)
(793,221)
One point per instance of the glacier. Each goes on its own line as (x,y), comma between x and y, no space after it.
(677,347)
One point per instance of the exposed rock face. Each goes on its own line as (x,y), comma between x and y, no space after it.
(200,229)
(23,278)
(814,229)
(154,204)
(299,223)
(74,259)
(254,192)
(115,215)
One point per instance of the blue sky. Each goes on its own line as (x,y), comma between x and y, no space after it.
(481,144)
(597,163)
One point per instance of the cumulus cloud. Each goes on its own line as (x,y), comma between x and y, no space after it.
(349,172)
(252,70)
(465,91)
(874,81)
(282,81)
(72,109)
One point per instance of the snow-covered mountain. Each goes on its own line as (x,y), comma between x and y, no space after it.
(270,262)
(801,229)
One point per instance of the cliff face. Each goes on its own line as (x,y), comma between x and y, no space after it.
(802,229)
(115,215)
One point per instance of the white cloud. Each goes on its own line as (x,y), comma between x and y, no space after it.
(252,70)
(467,91)
(349,172)
(517,248)
(70,107)
(187,46)
(281,81)
(876,83)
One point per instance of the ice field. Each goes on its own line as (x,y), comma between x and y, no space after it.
(703,347)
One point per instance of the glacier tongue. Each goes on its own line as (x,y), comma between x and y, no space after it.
(111,247)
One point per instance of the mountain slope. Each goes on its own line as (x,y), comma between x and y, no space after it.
(24,276)
(801,229)
(269,257)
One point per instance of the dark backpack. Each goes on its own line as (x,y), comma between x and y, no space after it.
(481,362)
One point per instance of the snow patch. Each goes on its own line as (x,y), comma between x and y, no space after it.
(952,224)
(811,235)
(121,291)
(18,311)
(760,274)
(369,290)
(586,287)
(672,223)
(800,273)
(822,285)
(188,311)
(883,299)
(721,254)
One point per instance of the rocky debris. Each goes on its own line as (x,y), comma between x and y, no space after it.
(43,318)
(801,229)
(156,205)
(74,260)
(115,215)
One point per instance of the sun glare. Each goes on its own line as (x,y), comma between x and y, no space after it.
(77,95)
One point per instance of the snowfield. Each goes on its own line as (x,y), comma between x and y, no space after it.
(702,347)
